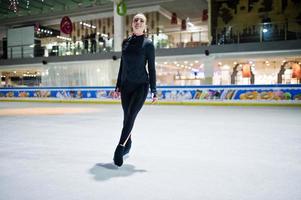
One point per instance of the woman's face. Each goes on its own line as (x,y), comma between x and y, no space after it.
(138,24)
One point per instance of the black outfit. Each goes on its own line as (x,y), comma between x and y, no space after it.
(133,82)
(136,51)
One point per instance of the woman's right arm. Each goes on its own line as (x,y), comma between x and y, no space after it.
(118,84)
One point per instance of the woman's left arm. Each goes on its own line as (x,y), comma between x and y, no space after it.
(151,67)
(152,70)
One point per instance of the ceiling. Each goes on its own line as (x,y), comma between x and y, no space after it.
(34,10)
(36,7)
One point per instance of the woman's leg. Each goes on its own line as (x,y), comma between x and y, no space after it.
(125,101)
(132,104)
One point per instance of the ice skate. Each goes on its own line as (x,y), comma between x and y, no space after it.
(118,155)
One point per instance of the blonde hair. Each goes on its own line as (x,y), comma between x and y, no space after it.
(141,14)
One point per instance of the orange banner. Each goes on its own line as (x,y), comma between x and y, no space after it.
(296,71)
(246,71)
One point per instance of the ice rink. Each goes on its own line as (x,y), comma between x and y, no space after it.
(64,152)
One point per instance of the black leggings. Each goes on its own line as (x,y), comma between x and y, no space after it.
(132,99)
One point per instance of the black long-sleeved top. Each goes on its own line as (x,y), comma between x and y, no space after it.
(136,51)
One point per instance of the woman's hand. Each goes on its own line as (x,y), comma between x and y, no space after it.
(116,93)
(155,98)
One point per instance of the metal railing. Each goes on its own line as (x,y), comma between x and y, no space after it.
(263,32)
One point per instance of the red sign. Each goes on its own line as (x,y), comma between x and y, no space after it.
(205,15)
(66,25)
(174,19)
(36,27)
(183,25)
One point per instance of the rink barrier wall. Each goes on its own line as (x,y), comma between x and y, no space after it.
(216,103)
(265,95)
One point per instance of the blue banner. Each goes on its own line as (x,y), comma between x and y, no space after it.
(169,93)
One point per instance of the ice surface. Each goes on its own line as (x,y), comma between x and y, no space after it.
(178,152)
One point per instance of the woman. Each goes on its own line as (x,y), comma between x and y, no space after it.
(133,81)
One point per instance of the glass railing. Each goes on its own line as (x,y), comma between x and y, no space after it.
(179,39)
(263,32)
(61,46)
(235,34)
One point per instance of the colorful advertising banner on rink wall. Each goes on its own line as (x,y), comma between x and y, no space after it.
(168,93)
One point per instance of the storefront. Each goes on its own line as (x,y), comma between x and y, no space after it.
(258,71)
(187,70)
(65,74)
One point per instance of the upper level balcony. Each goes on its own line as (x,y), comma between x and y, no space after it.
(48,44)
